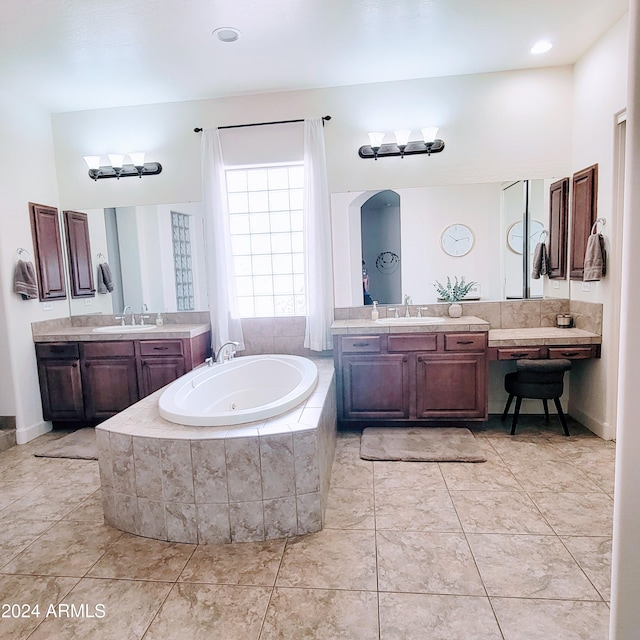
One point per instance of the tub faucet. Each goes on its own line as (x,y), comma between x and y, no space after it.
(229,343)
(407,302)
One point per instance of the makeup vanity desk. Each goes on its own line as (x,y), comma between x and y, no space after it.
(543,342)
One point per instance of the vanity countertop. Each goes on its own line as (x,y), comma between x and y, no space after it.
(465,323)
(541,336)
(87,334)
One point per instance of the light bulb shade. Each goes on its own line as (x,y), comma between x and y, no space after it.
(137,158)
(93,162)
(375,139)
(402,137)
(429,133)
(116,160)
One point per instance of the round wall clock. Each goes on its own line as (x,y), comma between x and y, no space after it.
(457,240)
(515,235)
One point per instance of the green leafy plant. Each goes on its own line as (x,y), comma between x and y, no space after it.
(453,292)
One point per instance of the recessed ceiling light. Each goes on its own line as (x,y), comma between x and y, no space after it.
(226,34)
(541,47)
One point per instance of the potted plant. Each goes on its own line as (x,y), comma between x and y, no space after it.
(454,293)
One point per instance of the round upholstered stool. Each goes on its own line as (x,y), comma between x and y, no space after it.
(539,380)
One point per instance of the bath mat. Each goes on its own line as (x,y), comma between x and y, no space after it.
(420,444)
(80,444)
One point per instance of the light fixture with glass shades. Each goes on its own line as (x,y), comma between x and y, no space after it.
(402,145)
(121,165)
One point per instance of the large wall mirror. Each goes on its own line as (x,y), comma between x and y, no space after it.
(157,254)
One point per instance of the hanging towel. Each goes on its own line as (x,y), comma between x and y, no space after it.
(595,258)
(105,279)
(540,261)
(24,280)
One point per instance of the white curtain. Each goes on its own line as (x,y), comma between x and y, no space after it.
(225,323)
(317,228)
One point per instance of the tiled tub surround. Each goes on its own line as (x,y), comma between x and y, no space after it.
(258,481)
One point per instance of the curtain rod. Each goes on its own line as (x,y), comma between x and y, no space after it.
(261,124)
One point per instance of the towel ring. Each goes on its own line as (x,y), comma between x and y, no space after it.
(22,251)
(594,228)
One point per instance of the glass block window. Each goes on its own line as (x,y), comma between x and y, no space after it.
(265,219)
(181,237)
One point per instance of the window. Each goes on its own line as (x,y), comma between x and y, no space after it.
(182,261)
(266,226)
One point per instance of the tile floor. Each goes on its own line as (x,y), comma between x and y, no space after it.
(516,548)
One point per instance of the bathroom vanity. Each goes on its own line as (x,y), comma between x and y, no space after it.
(87,376)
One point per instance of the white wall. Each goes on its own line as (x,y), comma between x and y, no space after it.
(28,175)
(600,92)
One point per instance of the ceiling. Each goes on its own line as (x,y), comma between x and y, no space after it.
(70,55)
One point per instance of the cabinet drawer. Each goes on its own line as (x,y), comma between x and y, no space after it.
(161,347)
(572,353)
(107,349)
(465,341)
(409,342)
(515,353)
(57,350)
(361,344)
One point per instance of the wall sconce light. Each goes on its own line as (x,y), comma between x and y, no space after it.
(118,166)
(402,146)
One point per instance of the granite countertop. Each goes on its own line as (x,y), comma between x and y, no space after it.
(465,323)
(541,336)
(87,334)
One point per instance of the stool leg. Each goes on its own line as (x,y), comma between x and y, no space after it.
(516,413)
(546,410)
(506,408)
(563,420)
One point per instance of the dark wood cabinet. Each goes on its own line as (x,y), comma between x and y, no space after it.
(413,377)
(92,381)
(79,251)
(47,244)
(558,221)
(583,216)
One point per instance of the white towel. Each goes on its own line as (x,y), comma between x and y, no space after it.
(595,258)
(24,280)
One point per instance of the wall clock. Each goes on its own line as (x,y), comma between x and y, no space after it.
(515,236)
(457,240)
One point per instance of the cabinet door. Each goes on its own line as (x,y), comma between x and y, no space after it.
(48,247)
(156,372)
(61,389)
(110,385)
(558,218)
(451,385)
(583,216)
(79,251)
(375,386)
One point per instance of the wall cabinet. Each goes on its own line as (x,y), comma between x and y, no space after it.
(92,381)
(76,225)
(583,216)
(47,244)
(405,378)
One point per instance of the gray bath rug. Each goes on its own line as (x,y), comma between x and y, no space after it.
(420,444)
(80,444)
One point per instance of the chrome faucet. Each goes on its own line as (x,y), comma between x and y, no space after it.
(229,343)
(407,302)
(421,309)
(143,311)
(124,315)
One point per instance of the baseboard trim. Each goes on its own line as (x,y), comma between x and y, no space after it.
(26,434)
(602,429)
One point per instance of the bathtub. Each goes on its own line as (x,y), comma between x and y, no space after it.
(246,389)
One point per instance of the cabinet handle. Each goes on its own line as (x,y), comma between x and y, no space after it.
(360,344)
(568,354)
(87,364)
(519,355)
(405,359)
(160,348)
(465,342)
(74,365)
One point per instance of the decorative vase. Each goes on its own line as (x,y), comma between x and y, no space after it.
(455,310)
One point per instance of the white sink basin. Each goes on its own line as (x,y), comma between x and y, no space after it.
(413,320)
(128,328)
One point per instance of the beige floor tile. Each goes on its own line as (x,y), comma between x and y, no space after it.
(529,566)
(32,469)
(551,475)
(90,510)
(17,535)
(415,511)
(577,514)
(408,476)
(321,614)
(489,476)
(436,617)
(512,451)
(139,558)
(66,549)
(593,554)
(11,491)
(350,472)
(423,562)
(330,559)
(349,509)
(113,610)
(32,595)
(498,512)
(208,612)
(546,619)
(246,563)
